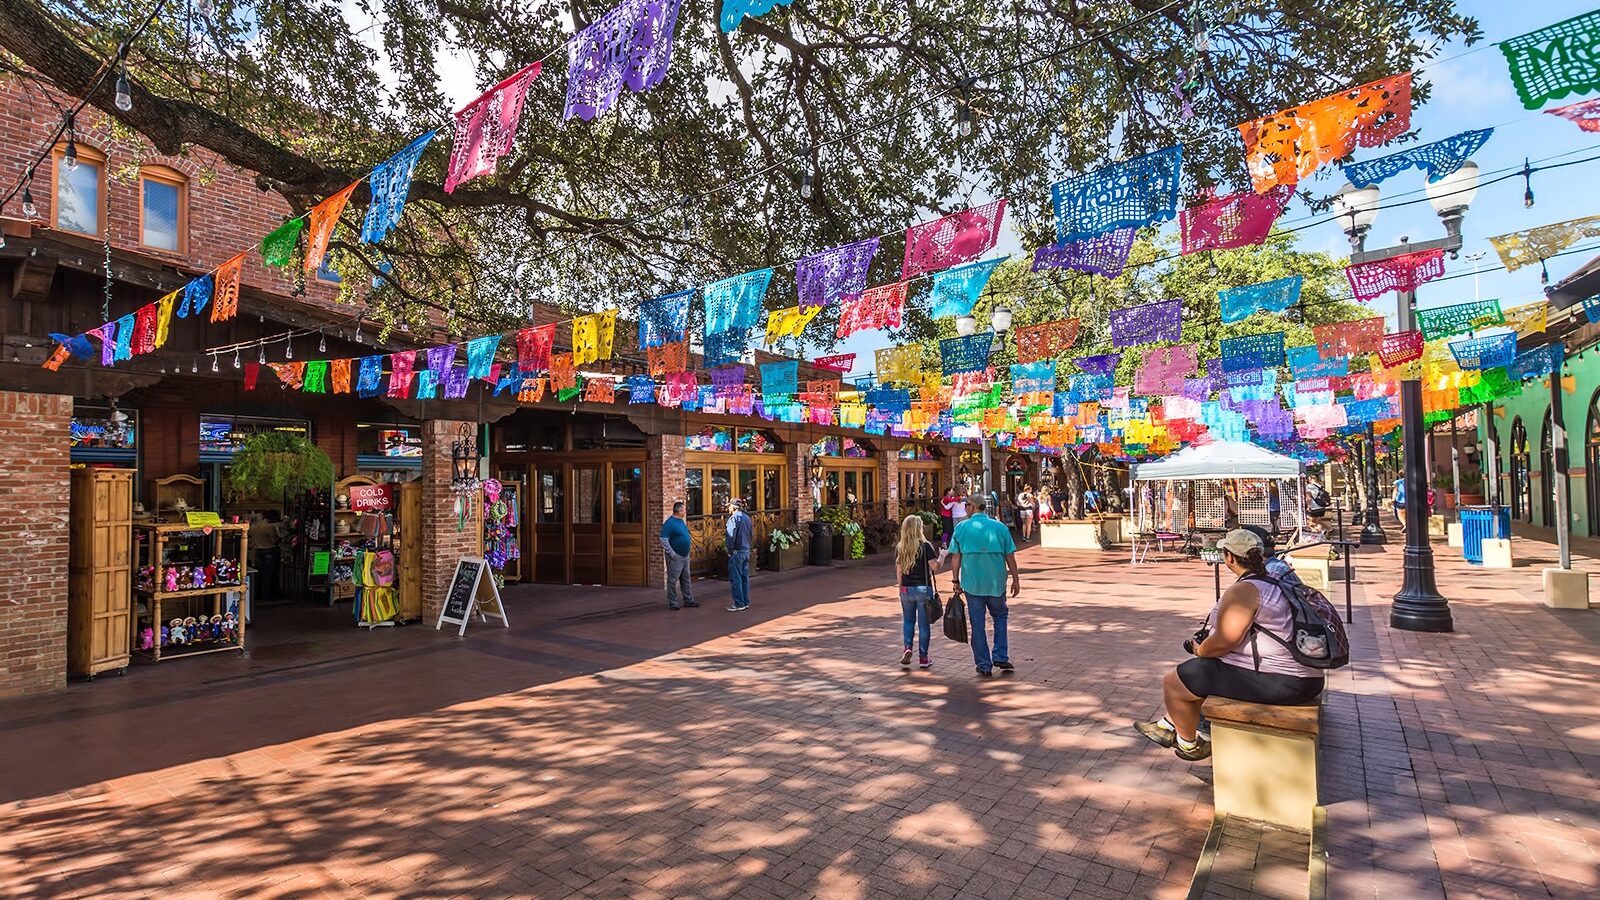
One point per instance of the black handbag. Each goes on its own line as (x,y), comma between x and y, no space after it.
(934,606)
(955,619)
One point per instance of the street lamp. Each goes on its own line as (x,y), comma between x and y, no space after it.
(1418,606)
(967,325)
(1000,319)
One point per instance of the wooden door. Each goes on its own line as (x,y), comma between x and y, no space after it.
(101,579)
(626,553)
(587,509)
(548,518)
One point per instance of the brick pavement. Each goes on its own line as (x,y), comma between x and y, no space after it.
(783,754)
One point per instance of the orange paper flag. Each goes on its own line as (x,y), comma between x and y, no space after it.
(323,217)
(225,302)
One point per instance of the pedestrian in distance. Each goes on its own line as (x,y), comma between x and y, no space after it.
(1399,500)
(675,544)
(981,554)
(947,505)
(1230,658)
(916,561)
(1027,504)
(741,532)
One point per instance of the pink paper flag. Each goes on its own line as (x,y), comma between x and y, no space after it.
(956,238)
(486,128)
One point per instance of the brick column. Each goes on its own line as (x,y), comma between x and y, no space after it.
(889,478)
(950,469)
(663,487)
(799,458)
(34,486)
(442,544)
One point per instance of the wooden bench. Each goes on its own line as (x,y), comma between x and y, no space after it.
(1264,761)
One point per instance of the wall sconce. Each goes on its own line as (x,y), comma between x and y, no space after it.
(464,458)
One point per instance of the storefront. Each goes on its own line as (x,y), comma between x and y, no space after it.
(922,478)
(389,451)
(583,483)
(722,462)
(844,472)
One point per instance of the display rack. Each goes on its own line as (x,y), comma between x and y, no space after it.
(174,495)
(211,617)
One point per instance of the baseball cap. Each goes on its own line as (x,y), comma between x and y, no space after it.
(1240,542)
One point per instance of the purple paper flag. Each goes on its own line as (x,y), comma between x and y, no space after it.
(1104,254)
(1147,324)
(826,278)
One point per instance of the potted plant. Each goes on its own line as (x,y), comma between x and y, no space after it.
(785,550)
(855,540)
(275,464)
(838,519)
(881,532)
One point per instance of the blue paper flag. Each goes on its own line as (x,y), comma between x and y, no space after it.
(391,185)
(1438,159)
(664,320)
(1252,351)
(480,355)
(965,354)
(1537,363)
(736,302)
(780,377)
(1307,362)
(369,376)
(1033,378)
(641,389)
(1485,352)
(1130,194)
(1269,296)
(955,291)
(196,296)
(724,348)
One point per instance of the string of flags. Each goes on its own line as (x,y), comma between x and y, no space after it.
(1096,215)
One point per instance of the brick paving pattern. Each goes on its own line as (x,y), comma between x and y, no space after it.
(604,747)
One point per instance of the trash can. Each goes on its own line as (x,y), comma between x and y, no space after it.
(821,550)
(1481,523)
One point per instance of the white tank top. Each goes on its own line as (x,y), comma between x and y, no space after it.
(1275,615)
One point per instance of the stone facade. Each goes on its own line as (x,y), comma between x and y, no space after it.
(34,488)
(443,543)
(664,486)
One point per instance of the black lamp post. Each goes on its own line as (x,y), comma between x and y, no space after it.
(1372,534)
(1418,606)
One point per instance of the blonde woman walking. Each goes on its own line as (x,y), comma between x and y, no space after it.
(916,561)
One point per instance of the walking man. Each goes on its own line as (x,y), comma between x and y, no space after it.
(741,534)
(981,553)
(675,543)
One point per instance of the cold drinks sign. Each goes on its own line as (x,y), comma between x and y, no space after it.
(371,497)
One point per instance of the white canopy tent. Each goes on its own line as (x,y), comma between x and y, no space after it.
(1190,490)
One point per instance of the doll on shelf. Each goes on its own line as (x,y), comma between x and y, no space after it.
(179,634)
(171,580)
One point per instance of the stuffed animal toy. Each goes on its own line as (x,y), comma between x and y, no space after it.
(180,634)
(172,578)
(147,638)
(193,628)
(166,636)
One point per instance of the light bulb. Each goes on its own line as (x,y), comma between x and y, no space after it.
(29,208)
(322,342)
(261,356)
(70,158)
(805,186)
(236,363)
(2,241)
(124,92)
(358,333)
(288,349)
(194,366)
(213,362)
(965,125)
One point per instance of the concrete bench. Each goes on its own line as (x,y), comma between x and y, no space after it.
(1312,565)
(1264,761)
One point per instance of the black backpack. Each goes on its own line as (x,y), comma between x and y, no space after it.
(1317,637)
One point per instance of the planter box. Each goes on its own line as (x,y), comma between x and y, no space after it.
(841,547)
(783,560)
(1070,534)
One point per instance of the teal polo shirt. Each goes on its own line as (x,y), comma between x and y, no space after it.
(983,544)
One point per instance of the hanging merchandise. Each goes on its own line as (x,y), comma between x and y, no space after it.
(902,364)
(1524,248)
(225,301)
(277,248)
(734,11)
(1585,114)
(1104,254)
(875,308)
(1369,281)
(792,322)
(736,302)
(1448,321)
(1236,220)
(1047,340)
(1556,61)
(1238,304)
(664,319)
(955,291)
(1287,146)
(1350,338)
(1148,324)
(955,239)
(1131,194)
(320,224)
(1250,352)
(390,183)
(1486,352)
(1163,370)
(487,127)
(630,44)
(839,362)
(834,276)
(1438,159)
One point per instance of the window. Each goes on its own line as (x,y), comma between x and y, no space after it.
(163,208)
(627,485)
(694,483)
(80,192)
(326,271)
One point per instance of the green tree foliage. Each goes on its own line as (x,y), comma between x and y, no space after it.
(1155,272)
(697,179)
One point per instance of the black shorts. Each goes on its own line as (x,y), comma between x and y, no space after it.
(1214,678)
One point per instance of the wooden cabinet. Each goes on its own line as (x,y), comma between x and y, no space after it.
(100,580)
(174,495)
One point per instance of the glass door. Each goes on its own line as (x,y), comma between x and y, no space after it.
(626,558)
(588,525)
(549,518)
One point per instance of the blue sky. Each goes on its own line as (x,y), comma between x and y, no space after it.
(1471,90)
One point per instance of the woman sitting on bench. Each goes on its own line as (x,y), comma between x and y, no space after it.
(1229,659)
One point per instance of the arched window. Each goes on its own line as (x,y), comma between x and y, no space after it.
(79,201)
(1547,472)
(163,209)
(1521,471)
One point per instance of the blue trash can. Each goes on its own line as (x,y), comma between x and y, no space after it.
(1480,523)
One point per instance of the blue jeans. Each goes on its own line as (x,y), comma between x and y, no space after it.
(739,577)
(996,607)
(914,611)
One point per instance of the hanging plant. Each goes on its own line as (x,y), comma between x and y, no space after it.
(276,464)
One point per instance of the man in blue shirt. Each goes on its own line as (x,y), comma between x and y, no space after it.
(981,553)
(675,543)
(741,534)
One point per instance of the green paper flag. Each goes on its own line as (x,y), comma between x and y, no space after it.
(1449,321)
(316,377)
(1555,61)
(277,248)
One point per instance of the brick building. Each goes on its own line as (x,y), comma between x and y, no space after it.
(126,225)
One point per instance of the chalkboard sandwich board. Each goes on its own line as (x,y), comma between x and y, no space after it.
(472,590)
